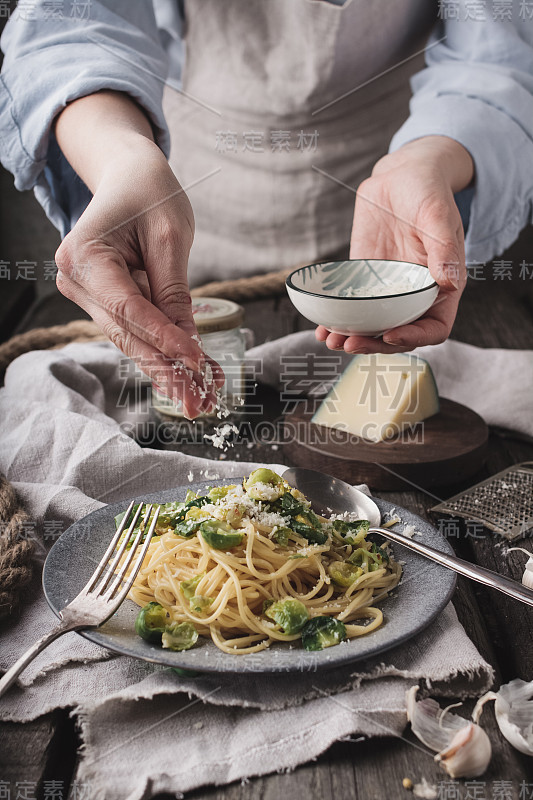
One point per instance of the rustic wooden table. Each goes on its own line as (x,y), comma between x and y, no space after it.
(41,756)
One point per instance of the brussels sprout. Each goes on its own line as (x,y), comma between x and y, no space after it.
(189,587)
(281,536)
(185,673)
(199,603)
(187,528)
(290,505)
(264,484)
(169,514)
(196,502)
(321,632)
(120,517)
(344,574)
(290,614)
(351,532)
(368,560)
(303,520)
(180,636)
(379,551)
(220,535)
(313,535)
(151,622)
(218,492)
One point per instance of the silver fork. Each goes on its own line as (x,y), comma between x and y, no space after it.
(103,593)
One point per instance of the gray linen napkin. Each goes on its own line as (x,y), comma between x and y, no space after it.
(65,451)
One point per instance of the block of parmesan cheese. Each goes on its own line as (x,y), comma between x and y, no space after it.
(378,396)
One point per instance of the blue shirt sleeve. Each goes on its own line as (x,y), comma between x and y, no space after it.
(52,59)
(477,88)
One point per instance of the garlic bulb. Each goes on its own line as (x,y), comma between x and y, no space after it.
(527,577)
(463,748)
(514,713)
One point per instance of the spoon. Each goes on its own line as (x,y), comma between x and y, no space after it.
(333,495)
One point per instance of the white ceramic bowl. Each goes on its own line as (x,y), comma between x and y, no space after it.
(364,296)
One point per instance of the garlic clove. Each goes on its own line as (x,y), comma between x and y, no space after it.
(430,723)
(527,577)
(463,748)
(513,709)
(468,753)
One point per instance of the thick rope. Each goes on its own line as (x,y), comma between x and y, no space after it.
(15,549)
(272,284)
(46,338)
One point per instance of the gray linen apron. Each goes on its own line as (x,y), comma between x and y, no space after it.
(285,108)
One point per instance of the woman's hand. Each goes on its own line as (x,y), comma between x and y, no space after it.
(406,211)
(125,261)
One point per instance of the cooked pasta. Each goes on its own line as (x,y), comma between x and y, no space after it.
(248,565)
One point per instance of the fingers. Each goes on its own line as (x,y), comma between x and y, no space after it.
(433,328)
(443,239)
(166,255)
(174,377)
(105,279)
(321,333)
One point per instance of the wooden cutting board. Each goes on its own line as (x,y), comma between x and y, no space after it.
(447,448)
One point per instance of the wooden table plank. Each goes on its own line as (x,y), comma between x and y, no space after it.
(38,753)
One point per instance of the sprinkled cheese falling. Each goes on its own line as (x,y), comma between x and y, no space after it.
(221,435)
(378,396)
(236,500)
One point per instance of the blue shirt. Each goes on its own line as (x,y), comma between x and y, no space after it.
(477,88)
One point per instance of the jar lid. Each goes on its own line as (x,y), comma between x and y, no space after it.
(213,314)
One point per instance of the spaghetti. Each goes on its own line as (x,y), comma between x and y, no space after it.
(251,564)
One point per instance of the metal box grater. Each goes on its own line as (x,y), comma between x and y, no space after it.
(503,503)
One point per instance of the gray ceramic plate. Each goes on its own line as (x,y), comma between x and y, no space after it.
(423,593)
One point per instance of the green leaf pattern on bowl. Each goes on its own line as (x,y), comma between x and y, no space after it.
(339,276)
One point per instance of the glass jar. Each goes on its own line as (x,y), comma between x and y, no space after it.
(219,326)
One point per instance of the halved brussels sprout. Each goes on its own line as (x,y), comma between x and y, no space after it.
(189,587)
(220,535)
(199,603)
(351,532)
(321,632)
(368,560)
(169,514)
(343,573)
(151,622)
(290,614)
(120,517)
(290,505)
(303,520)
(187,528)
(180,636)
(379,551)
(314,535)
(218,492)
(264,484)
(281,536)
